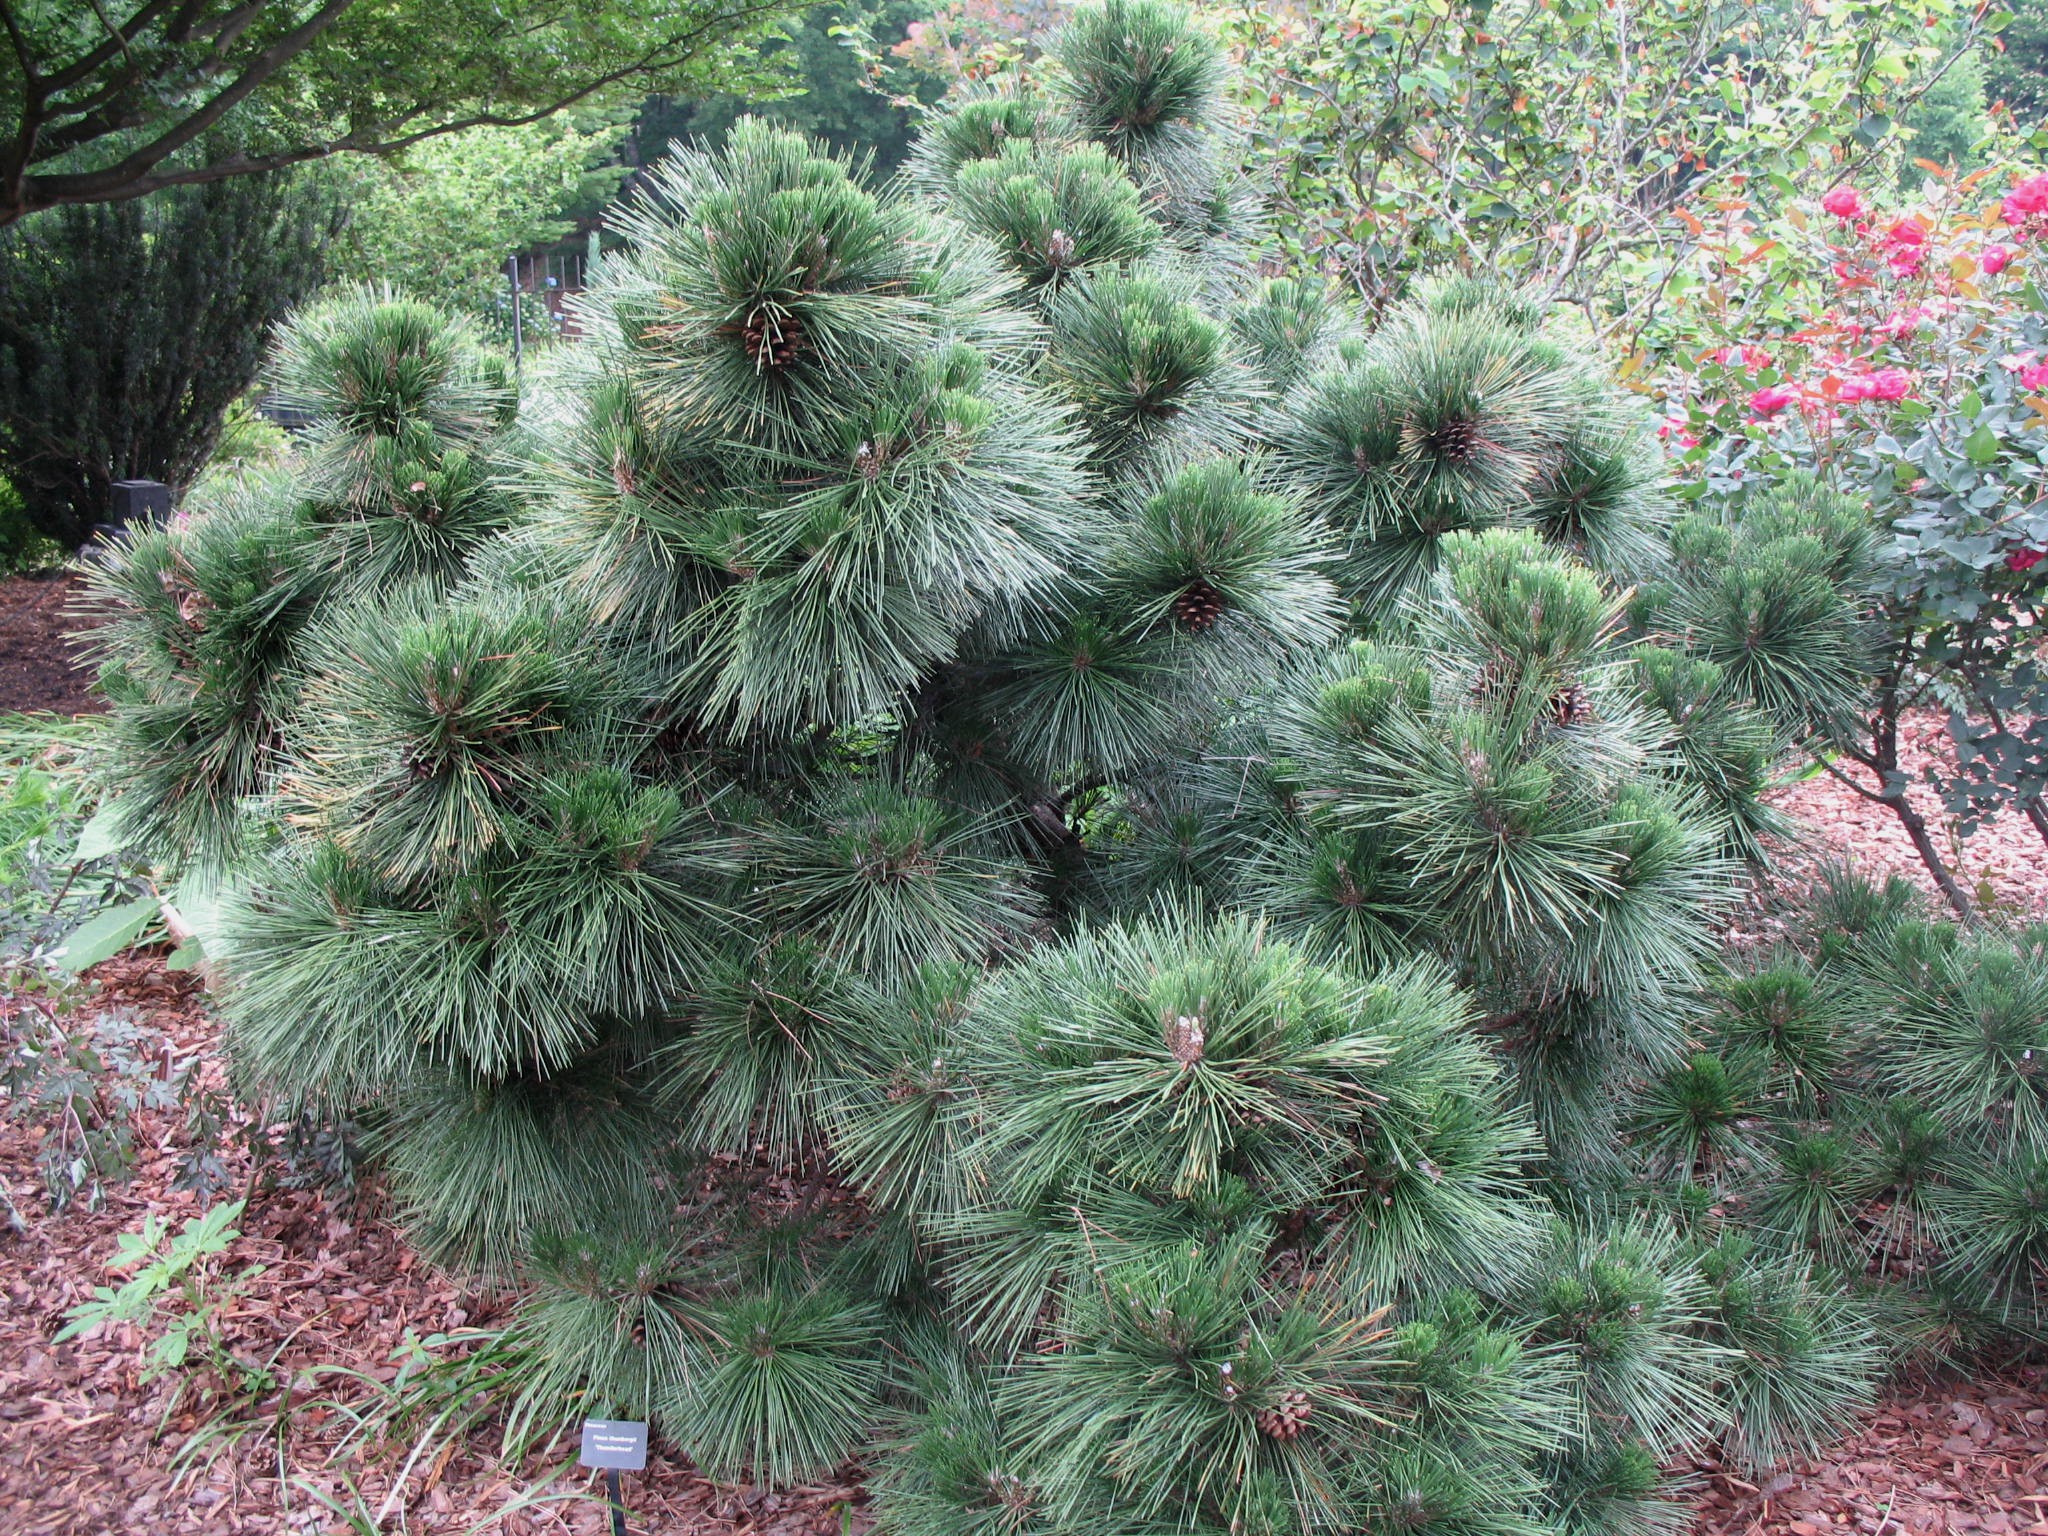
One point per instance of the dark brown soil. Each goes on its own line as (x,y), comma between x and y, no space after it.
(38,669)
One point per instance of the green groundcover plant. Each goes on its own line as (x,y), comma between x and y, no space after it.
(976,830)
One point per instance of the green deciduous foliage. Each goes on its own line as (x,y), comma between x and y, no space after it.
(1882,410)
(2016,72)
(1582,148)
(837,83)
(104,106)
(438,221)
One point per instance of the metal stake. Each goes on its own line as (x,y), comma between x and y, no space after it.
(518,332)
(611,1490)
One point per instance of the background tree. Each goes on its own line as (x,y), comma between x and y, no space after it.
(127,331)
(438,220)
(972,39)
(1948,120)
(835,96)
(106,105)
(2016,72)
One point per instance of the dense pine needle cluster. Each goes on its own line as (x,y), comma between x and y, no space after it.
(1192,832)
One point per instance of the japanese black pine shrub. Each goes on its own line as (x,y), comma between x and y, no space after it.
(1884,1077)
(972,827)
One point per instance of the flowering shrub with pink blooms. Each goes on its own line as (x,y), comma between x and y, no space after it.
(1836,336)
(1901,355)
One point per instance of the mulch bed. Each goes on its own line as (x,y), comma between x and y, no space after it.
(2004,860)
(37,659)
(1945,1456)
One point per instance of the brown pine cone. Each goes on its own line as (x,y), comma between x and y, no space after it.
(1493,679)
(772,341)
(1570,705)
(1458,440)
(1199,606)
(193,605)
(1009,1491)
(1284,1420)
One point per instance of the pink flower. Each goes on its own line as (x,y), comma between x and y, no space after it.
(1902,322)
(1844,203)
(1747,356)
(2034,376)
(2025,559)
(1771,400)
(1881,384)
(1902,244)
(1673,428)
(1995,259)
(2024,205)
(419,485)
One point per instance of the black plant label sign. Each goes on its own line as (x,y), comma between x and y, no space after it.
(617,1444)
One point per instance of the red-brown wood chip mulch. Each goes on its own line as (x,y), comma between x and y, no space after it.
(37,670)
(1943,1456)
